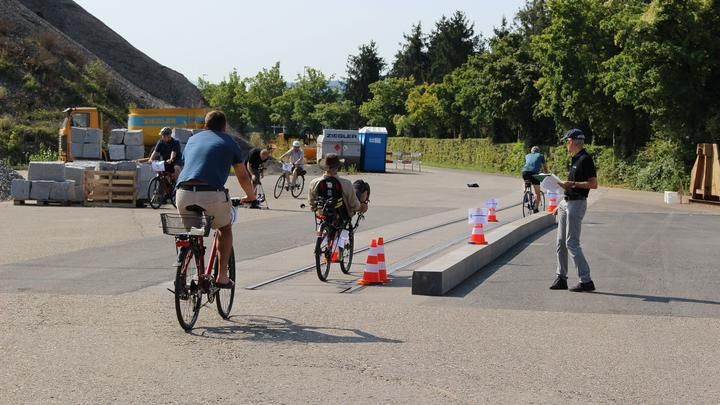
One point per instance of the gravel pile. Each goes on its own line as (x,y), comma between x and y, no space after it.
(6,177)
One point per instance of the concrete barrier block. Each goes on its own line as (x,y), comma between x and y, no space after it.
(182,134)
(79,194)
(76,174)
(116,137)
(448,271)
(76,149)
(20,189)
(133,137)
(77,134)
(127,166)
(106,166)
(116,152)
(93,135)
(53,171)
(145,173)
(91,151)
(40,189)
(62,191)
(142,189)
(133,152)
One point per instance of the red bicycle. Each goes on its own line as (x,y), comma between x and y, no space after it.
(193,278)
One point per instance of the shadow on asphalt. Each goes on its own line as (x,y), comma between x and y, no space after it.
(479,277)
(274,329)
(656,298)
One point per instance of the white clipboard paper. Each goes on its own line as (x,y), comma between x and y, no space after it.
(551,183)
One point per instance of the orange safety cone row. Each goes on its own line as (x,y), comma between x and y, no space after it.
(382,269)
(371,274)
(477,237)
(552,201)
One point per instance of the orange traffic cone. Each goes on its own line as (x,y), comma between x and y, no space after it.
(371,275)
(491,215)
(478,236)
(552,201)
(382,270)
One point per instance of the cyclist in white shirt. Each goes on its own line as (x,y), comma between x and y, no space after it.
(296,156)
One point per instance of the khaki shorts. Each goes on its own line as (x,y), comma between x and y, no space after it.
(216,204)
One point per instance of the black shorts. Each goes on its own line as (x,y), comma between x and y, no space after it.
(169,167)
(300,171)
(528,176)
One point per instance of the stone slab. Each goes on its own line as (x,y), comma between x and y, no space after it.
(20,189)
(79,194)
(40,189)
(62,191)
(133,137)
(448,271)
(145,173)
(76,174)
(116,137)
(53,171)
(116,152)
(76,149)
(77,134)
(133,152)
(93,135)
(91,151)
(142,189)
(182,134)
(122,166)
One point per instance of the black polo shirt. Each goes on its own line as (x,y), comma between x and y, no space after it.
(582,168)
(166,148)
(255,160)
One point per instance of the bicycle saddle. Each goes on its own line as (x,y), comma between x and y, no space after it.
(195,208)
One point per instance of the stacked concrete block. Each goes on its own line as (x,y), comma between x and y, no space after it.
(125,166)
(93,135)
(76,149)
(52,171)
(77,175)
(133,152)
(116,152)
(133,137)
(77,135)
(20,189)
(62,191)
(182,135)
(145,174)
(117,137)
(92,147)
(40,189)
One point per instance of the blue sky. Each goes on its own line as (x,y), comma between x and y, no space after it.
(211,37)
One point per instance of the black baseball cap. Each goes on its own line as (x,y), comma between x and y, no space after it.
(573,134)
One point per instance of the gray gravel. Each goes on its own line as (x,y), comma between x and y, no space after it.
(7,175)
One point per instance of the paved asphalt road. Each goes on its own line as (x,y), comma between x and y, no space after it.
(86,317)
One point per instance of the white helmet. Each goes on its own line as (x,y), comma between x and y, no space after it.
(296,144)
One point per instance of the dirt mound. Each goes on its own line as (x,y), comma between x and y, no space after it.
(138,68)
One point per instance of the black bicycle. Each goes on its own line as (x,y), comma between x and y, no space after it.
(161,190)
(335,242)
(528,200)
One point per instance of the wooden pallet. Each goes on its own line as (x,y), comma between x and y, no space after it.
(106,188)
(46,202)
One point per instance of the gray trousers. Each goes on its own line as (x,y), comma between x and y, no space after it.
(570,215)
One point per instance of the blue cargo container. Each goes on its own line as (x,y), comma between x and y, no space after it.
(373,141)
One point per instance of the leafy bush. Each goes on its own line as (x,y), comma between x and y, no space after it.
(44,155)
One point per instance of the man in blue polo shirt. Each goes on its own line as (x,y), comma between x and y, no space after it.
(582,177)
(208,158)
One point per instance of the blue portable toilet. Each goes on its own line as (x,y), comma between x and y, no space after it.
(373,141)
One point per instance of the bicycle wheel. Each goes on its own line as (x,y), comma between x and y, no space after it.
(188,296)
(155,193)
(323,250)
(347,254)
(226,296)
(299,185)
(279,186)
(527,203)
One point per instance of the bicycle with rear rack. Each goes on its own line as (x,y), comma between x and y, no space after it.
(335,241)
(195,278)
(283,182)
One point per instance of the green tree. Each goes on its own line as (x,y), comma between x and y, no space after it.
(362,70)
(412,59)
(230,96)
(341,114)
(294,108)
(388,100)
(450,44)
(262,89)
(424,113)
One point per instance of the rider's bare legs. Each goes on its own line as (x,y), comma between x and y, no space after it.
(225,240)
(537,196)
